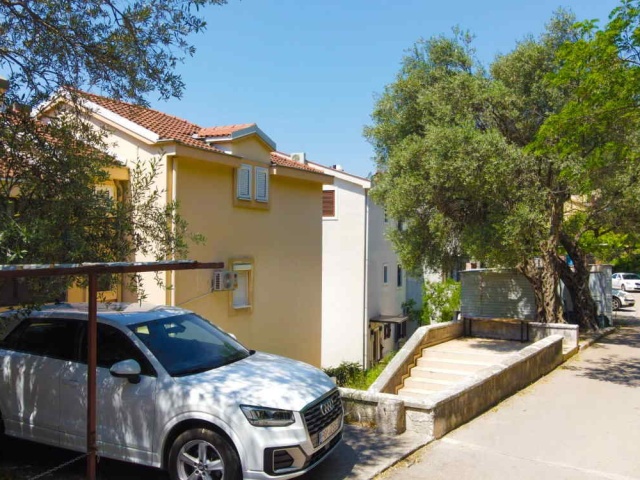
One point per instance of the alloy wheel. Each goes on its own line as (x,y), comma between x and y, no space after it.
(200,460)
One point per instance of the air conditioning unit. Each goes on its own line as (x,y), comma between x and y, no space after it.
(299,157)
(224,280)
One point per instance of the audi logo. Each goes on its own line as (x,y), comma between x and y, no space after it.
(327,407)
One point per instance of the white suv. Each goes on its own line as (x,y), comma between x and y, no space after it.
(174,392)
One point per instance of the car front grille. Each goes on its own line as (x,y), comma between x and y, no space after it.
(321,413)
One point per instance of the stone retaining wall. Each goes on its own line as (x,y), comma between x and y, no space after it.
(451,408)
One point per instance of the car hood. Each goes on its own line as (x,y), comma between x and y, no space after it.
(262,379)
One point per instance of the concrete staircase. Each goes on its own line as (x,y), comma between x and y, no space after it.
(442,366)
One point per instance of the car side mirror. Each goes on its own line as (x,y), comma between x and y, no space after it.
(129,369)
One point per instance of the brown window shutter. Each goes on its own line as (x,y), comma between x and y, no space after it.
(328,203)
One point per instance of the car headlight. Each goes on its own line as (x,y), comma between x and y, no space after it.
(267,417)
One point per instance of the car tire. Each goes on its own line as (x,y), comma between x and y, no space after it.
(615,303)
(202,453)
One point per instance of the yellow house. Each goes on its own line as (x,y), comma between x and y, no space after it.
(261,214)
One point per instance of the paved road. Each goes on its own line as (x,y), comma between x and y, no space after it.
(582,421)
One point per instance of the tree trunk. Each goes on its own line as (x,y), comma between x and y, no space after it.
(576,280)
(544,282)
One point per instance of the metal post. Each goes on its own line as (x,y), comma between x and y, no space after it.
(92,356)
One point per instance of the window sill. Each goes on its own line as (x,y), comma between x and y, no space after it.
(241,307)
(252,204)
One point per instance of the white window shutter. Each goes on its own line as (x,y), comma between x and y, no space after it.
(243,186)
(262,184)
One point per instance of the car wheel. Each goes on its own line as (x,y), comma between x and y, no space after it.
(622,287)
(203,454)
(615,303)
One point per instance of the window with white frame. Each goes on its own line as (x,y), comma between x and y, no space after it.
(399,279)
(385,274)
(262,184)
(243,182)
(242,295)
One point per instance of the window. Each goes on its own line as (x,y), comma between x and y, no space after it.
(262,184)
(113,347)
(242,295)
(243,182)
(328,203)
(402,329)
(387,331)
(399,280)
(46,337)
(385,274)
(400,225)
(386,217)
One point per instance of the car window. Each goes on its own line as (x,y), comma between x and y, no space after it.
(631,276)
(113,347)
(188,344)
(48,337)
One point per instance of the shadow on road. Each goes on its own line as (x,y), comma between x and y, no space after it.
(21,460)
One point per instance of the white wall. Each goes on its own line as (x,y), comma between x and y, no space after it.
(343,266)
(383,299)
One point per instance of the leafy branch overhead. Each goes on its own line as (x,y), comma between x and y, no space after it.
(54,165)
(125,49)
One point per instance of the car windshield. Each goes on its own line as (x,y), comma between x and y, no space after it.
(631,276)
(188,344)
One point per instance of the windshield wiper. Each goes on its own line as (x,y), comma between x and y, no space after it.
(193,371)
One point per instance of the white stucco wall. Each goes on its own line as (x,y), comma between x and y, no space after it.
(383,299)
(343,273)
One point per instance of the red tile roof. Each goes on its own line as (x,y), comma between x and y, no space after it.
(168,127)
(284,160)
(223,131)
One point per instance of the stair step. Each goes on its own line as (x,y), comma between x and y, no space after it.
(453,364)
(439,373)
(427,383)
(462,355)
(416,393)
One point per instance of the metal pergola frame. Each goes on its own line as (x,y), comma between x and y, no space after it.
(92,270)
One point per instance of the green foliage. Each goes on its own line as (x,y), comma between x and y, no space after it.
(351,374)
(345,373)
(124,49)
(534,157)
(440,301)
(50,208)
(414,314)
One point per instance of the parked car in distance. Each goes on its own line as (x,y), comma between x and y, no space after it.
(174,392)
(620,298)
(626,281)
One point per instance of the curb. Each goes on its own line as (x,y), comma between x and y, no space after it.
(602,333)
(396,461)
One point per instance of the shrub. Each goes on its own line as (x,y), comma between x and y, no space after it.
(351,374)
(440,301)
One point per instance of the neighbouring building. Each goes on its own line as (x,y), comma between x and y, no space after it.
(261,215)
(363,284)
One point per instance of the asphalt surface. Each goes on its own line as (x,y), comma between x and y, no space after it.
(582,421)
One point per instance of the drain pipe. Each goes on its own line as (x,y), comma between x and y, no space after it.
(365,302)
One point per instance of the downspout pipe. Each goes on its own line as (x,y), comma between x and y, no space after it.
(365,296)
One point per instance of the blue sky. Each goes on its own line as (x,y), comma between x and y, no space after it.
(307,71)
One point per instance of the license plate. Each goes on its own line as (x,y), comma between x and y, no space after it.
(328,431)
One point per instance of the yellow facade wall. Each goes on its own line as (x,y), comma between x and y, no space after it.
(285,245)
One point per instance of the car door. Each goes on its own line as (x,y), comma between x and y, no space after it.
(126,410)
(615,281)
(32,358)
